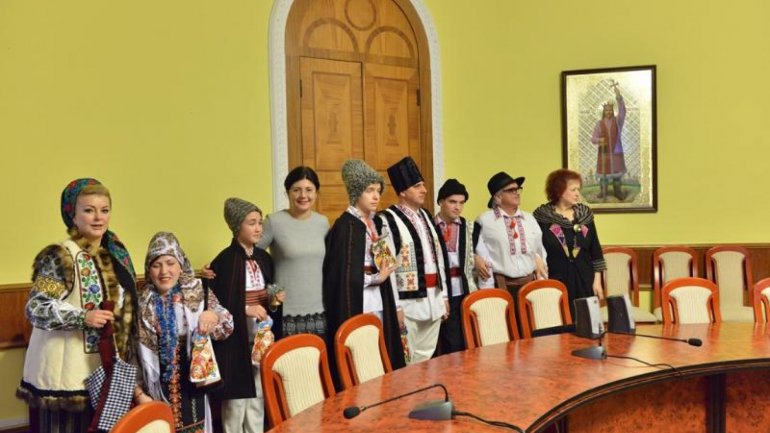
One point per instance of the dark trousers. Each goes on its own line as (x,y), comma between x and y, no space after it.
(450,335)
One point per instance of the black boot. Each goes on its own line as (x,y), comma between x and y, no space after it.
(617,191)
(602,190)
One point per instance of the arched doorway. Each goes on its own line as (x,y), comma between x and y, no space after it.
(353,79)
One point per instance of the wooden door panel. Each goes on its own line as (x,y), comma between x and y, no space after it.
(359,72)
(391,119)
(391,115)
(332,125)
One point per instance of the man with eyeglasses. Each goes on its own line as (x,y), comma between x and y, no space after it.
(512,236)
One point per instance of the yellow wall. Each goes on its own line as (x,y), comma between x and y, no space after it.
(501,62)
(167,103)
(164,102)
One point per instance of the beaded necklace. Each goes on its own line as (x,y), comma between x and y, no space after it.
(167,337)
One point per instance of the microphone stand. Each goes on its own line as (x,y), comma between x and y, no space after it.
(433,410)
(593,352)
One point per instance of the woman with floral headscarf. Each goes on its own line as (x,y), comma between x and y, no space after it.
(171,308)
(69,281)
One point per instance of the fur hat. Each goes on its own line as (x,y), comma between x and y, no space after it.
(451,187)
(357,176)
(236,210)
(404,174)
(498,182)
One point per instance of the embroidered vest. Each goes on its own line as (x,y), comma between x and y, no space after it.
(467,256)
(61,360)
(410,273)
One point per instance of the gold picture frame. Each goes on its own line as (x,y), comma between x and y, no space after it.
(615,151)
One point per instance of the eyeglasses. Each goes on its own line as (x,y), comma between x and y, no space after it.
(514,190)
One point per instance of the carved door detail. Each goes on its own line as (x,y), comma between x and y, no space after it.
(355,64)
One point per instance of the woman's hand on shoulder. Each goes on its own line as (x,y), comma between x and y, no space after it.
(207,272)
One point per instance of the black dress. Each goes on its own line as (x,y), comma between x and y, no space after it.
(573,248)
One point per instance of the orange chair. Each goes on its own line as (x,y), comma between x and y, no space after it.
(295,375)
(152,417)
(488,318)
(669,263)
(761,297)
(622,278)
(543,304)
(359,346)
(729,266)
(691,300)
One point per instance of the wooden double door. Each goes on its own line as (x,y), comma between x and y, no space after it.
(358,81)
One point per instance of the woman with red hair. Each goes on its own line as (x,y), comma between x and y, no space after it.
(570,237)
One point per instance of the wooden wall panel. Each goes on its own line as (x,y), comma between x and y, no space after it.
(14,326)
(760,260)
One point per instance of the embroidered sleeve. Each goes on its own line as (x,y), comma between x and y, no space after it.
(372,280)
(225,326)
(51,283)
(540,247)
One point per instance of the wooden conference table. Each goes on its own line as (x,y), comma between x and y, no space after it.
(722,386)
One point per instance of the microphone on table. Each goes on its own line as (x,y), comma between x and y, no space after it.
(433,410)
(697,342)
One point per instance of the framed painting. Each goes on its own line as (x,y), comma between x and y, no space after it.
(609,135)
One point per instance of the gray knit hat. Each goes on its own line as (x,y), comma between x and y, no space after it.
(236,210)
(357,176)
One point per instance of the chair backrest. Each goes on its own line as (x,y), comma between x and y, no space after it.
(729,266)
(543,304)
(669,263)
(691,300)
(359,346)
(488,318)
(761,299)
(295,375)
(621,276)
(152,417)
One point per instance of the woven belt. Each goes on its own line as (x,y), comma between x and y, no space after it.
(256,297)
(501,279)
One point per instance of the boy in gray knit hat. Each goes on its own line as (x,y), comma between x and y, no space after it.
(242,275)
(236,210)
(355,281)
